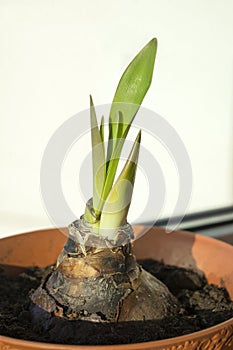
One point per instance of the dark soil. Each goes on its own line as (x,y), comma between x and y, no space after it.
(202,306)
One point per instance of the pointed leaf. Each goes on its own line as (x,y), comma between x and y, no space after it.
(130,92)
(117,125)
(116,206)
(112,167)
(133,85)
(98,159)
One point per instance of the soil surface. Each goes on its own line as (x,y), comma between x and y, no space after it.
(202,306)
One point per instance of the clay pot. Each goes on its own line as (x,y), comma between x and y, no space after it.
(182,249)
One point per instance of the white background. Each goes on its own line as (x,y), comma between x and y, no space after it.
(53,54)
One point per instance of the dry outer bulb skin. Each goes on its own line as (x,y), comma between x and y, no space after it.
(101,283)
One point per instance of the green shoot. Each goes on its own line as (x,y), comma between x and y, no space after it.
(116,206)
(109,206)
(98,159)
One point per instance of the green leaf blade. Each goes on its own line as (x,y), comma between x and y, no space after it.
(98,159)
(116,206)
(129,95)
(134,85)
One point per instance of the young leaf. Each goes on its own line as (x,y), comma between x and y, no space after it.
(112,166)
(117,125)
(130,92)
(98,159)
(116,206)
(133,85)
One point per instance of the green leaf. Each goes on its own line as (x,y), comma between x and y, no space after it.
(130,92)
(112,166)
(133,86)
(117,126)
(98,160)
(116,206)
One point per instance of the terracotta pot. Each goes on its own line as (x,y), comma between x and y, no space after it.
(182,249)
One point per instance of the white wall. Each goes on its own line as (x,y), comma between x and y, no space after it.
(55,53)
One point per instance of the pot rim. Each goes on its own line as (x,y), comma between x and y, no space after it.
(137,226)
(175,340)
(204,333)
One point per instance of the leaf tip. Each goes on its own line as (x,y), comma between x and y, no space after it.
(91,100)
(139,136)
(154,42)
